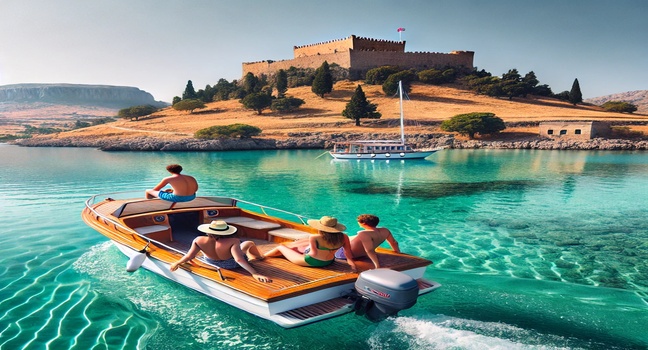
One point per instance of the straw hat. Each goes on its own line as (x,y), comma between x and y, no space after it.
(327,224)
(217,227)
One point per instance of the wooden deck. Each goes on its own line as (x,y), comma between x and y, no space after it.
(288,279)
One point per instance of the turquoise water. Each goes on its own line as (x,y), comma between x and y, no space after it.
(535,249)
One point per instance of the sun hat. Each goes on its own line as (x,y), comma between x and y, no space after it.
(327,224)
(217,227)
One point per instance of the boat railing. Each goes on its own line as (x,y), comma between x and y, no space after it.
(270,211)
(93,200)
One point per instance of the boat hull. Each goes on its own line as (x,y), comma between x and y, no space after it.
(382,156)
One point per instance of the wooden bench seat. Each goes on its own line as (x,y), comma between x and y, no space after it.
(145,230)
(289,233)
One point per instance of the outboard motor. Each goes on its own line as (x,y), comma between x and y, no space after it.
(384,292)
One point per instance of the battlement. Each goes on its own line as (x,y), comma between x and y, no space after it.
(359,54)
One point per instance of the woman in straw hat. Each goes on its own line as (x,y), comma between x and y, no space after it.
(317,250)
(223,250)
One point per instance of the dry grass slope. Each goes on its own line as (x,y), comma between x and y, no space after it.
(426,103)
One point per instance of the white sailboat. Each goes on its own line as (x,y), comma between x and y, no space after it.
(381,149)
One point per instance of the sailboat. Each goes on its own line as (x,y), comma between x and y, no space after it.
(381,149)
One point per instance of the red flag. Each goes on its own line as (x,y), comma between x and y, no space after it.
(400,30)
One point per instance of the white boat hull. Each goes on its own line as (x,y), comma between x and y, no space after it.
(382,156)
(265,310)
(269,311)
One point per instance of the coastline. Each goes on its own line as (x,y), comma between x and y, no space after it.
(325,141)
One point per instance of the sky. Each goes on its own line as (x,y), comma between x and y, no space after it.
(158,45)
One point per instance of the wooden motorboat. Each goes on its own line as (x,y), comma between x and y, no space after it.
(154,233)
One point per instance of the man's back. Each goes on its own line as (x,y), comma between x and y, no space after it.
(183,185)
(216,249)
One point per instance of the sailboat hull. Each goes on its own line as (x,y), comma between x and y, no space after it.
(383,156)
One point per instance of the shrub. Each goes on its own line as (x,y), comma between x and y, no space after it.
(378,76)
(136,112)
(619,106)
(390,87)
(474,123)
(189,105)
(437,76)
(287,104)
(243,131)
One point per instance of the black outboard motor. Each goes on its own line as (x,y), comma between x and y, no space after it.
(384,292)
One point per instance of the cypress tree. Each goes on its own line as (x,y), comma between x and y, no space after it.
(575,95)
(323,82)
(282,83)
(189,92)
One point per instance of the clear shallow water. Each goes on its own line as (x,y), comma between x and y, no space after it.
(535,249)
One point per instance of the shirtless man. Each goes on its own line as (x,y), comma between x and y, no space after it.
(184,186)
(222,250)
(367,240)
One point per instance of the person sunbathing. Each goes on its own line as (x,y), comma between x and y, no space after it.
(317,250)
(368,239)
(222,250)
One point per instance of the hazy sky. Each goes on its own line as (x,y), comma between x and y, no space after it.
(157,45)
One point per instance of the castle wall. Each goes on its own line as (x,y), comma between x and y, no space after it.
(329,47)
(351,43)
(369,44)
(365,60)
(271,67)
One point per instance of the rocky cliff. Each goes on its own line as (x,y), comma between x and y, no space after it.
(638,98)
(77,94)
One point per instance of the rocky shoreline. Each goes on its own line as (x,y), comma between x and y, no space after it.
(325,141)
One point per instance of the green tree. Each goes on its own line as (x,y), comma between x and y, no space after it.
(575,95)
(228,131)
(136,112)
(281,83)
(390,87)
(359,107)
(619,106)
(176,99)
(474,123)
(378,76)
(189,105)
(323,82)
(251,83)
(286,104)
(257,101)
(190,92)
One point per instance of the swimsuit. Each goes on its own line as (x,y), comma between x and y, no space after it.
(224,264)
(168,196)
(339,254)
(317,262)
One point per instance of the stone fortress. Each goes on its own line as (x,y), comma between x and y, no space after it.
(358,55)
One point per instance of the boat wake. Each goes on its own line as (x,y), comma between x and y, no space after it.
(442,332)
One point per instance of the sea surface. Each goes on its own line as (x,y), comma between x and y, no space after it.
(534,249)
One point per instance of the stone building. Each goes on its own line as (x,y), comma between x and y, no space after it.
(358,55)
(574,129)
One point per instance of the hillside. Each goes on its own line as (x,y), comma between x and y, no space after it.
(59,105)
(638,98)
(427,107)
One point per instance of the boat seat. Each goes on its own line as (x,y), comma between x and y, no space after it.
(258,224)
(289,233)
(144,230)
(237,219)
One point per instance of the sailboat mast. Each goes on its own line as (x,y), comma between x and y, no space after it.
(402,123)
